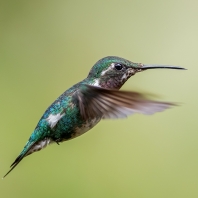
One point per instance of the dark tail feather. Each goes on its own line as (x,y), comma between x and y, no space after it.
(30,147)
(19,158)
(14,164)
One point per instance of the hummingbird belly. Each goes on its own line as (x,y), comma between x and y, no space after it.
(85,127)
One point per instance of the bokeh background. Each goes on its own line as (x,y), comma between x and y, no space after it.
(47,46)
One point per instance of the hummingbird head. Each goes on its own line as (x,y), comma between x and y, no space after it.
(112,72)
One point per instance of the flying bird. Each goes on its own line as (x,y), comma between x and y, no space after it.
(96,97)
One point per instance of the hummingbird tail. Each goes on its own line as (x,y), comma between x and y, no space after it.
(24,153)
(29,148)
(14,164)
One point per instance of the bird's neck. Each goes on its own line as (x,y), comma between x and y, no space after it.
(107,83)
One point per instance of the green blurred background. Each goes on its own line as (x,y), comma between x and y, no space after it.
(47,46)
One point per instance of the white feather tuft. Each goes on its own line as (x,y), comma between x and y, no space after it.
(53,119)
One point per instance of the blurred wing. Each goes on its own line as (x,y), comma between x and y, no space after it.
(108,104)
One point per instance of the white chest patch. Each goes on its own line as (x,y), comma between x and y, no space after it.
(53,119)
(96,83)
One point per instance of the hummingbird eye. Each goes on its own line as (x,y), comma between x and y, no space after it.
(118,66)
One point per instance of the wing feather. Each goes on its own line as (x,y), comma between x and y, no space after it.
(110,104)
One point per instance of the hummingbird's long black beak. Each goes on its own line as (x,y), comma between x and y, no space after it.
(145,67)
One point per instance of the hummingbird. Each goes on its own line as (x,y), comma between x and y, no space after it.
(95,98)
